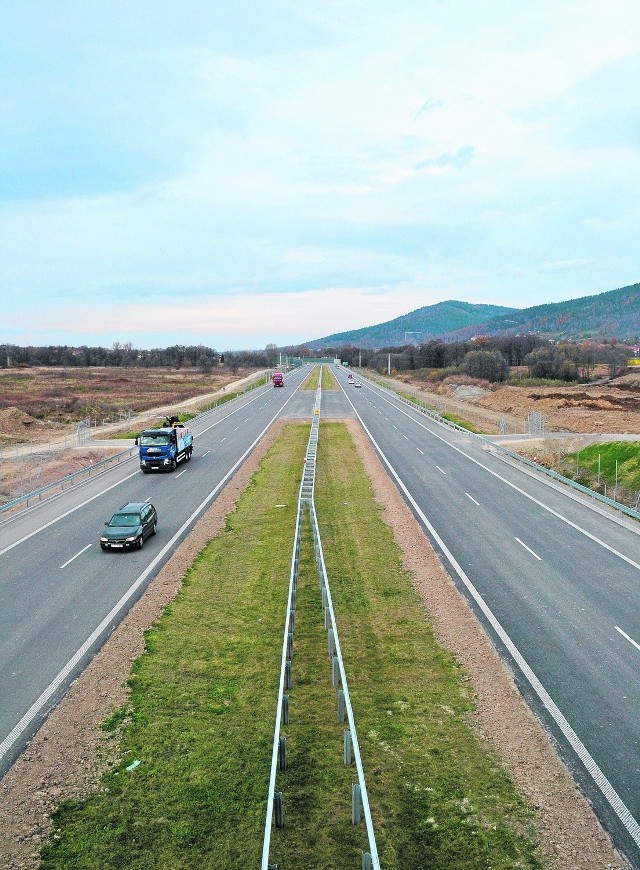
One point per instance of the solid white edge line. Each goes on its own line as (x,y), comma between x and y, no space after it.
(528,549)
(55,684)
(69,561)
(607,790)
(630,639)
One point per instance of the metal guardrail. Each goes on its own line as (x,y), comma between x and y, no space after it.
(417,405)
(351,750)
(64,483)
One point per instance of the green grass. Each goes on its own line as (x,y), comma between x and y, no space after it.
(312,380)
(200,717)
(328,379)
(626,453)
(460,421)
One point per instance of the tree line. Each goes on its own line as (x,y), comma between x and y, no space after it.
(491,358)
(486,357)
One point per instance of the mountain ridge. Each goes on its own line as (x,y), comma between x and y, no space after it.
(611,314)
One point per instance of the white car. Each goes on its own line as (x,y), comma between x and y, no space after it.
(357,384)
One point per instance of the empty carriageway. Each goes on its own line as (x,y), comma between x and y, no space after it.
(553,580)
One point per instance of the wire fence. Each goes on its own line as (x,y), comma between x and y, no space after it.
(275,813)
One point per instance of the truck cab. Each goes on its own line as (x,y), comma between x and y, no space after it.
(277,379)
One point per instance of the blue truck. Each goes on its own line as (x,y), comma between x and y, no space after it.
(162,449)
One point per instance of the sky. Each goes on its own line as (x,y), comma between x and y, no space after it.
(264,171)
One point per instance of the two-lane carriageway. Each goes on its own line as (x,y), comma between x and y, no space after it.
(554,581)
(61,595)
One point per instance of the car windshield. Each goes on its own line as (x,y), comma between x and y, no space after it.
(125,520)
(154,440)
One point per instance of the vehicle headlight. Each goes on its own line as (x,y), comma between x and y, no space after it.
(104,540)
(131,538)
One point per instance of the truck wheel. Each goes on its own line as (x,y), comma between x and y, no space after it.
(173,465)
(189,454)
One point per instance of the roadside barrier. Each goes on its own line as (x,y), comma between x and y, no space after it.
(275,814)
(65,483)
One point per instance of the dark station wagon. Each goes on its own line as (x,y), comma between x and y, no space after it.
(129,527)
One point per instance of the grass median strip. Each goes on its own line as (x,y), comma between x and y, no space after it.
(201,716)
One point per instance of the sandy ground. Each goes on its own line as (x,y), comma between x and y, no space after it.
(581,408)
(69,752)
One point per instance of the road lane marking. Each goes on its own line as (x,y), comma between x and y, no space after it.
(181,473)
(472,499)
(208,451)
(440,469)
(528,549)
(75,557)
(601,781)
(404,436)
(224,439)
(420,451)
(630,639)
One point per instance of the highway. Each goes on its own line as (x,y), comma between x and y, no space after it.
(61,596)
(553,581)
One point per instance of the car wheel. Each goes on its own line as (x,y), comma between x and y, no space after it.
(154,529)
(141,541)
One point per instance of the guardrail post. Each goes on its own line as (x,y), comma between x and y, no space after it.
(347,753)
(335,671)
(331,643)
(290,645)
(287,675)
(342,707)
(285,710)
(282,753)
(327,619)
(277,808)
(356,804)
(367,861)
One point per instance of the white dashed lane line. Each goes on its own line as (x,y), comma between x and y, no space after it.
(529,550)
(69,561)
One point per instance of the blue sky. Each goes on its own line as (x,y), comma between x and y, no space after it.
(270,171)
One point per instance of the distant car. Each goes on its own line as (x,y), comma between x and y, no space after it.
(357,384)
(129,527)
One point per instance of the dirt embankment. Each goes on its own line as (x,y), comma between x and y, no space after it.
(611,407)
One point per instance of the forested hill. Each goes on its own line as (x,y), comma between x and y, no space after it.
(422,325)
(614,314)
